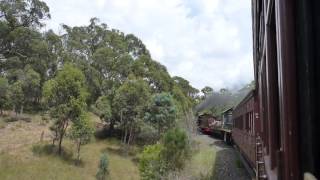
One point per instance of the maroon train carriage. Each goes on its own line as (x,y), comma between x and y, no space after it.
(282,142)
(246,127)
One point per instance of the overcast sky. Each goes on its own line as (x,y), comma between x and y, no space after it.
(207,42)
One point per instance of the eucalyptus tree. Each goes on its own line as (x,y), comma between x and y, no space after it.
(65,94)
(187,89)
(131,101)
(18,21)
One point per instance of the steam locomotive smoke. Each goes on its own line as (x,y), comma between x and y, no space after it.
(215,100)
(218,99)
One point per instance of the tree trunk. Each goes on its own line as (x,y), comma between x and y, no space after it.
(60,143)
(14,110)
(21,110)
(130,135)
(1,111)
(111,127)
(78,151)
(125,135)
(64,128)
(55,137)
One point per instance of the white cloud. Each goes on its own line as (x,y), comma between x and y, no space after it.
(208,42)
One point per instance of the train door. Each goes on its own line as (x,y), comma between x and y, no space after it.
(308,67)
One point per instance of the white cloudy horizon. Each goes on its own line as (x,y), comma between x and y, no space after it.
(207,42)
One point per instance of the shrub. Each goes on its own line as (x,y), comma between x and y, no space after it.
(176,148)
(156,161)
(103,170)
(151,165)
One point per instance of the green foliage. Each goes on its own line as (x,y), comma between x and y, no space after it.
(132,98)
(16,95)
(65,95)
(4,92)
(103,108)
(130,102)
(187,89)
(82,129)
(81,132)
(103,168)
(151,165)
(157,160)
(105,56)
(162,112)
(182,102)
(176,148)
(31,85)
(66,92)
(22,13)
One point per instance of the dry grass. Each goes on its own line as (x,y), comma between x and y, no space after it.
(17,161)
(19,134)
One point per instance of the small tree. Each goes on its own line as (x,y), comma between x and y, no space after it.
(66,96)
(103,168)
(81,132)
(151,164)
(162,112)
(176,149)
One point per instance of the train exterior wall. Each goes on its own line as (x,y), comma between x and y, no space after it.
(286,57)
(246,124)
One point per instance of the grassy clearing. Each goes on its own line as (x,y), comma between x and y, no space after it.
(17,161)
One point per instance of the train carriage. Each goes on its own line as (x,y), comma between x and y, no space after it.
(246,127)
(286,37)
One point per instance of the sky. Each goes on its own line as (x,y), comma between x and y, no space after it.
(207,42)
